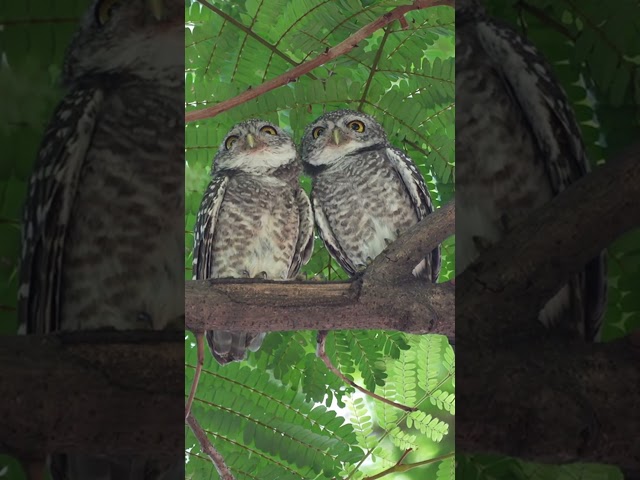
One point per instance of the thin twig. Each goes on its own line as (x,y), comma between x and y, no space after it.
(196,376)
(321,352)
(374,67)
(209,449)
(343,47)
(399,467)
(250,33)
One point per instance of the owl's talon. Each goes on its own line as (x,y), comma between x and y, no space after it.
(246,274)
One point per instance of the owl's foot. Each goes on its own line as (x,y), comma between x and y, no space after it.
(262,275)
(246,274)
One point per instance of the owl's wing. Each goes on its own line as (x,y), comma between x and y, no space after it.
(304,244)
(420,199)
(205,226)
(329,239)
(532,88)
(52,189)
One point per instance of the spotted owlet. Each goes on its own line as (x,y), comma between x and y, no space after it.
(365,191)
(255,221)
(518,145)
(102,238)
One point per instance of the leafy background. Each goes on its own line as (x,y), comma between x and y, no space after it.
(282,414)
(595,54)
(583,41)
(34,35)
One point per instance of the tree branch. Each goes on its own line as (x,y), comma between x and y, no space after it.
(74,392)
(387,296)
(549,400)
(216,458)
(514,279)
(304,68)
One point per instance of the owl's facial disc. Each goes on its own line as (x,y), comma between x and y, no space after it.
(131,38)
(255,147)
(338,134)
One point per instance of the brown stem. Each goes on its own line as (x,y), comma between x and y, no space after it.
(196,377)
(304,68)
(216,458)
(321,352)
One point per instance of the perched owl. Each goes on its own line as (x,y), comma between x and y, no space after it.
(102,237)
(365,191)
(518,145)
(255,221)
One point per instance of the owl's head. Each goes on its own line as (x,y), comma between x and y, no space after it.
(255,146)
(339,133)
(129,38)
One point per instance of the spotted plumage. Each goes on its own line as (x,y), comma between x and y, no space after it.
(255,221)
(102,238)
(365,191)
(518,145)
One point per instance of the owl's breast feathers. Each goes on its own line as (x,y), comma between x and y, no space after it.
(259,230)
(102,224)
(362,204)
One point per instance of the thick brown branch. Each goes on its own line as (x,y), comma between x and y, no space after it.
(397,261)
(507,286)
(551,401)
(250,305)
(62,395)
(304,68)
(548,400)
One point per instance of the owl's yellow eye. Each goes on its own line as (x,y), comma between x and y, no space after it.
(317,132)
(103,10)
(356,126)
(268,129)
(229,142)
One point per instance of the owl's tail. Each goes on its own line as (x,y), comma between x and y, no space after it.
(227,346)
(429,268)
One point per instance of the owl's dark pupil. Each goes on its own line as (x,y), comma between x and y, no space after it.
(354,126)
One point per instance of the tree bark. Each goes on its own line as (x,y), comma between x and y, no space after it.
(522,391)
(512,280)
(76,393)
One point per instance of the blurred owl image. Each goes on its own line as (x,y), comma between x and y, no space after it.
(255,221)
(518,145)
(366,192)
(103,231)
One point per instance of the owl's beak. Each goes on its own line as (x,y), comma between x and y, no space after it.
(251,140)
(337,136)
(157,8)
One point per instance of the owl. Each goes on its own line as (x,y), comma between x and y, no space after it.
(102,236)
(365,193)
(255,221)
(518,146)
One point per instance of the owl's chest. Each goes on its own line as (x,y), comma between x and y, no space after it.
(123,258)
(257,228)
(134,166)
(366,205)
(500,175)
